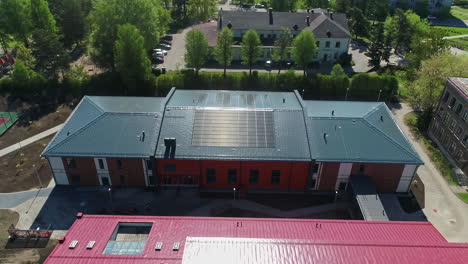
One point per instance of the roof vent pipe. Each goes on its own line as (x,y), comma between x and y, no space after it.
(308,21)
(331,16)
(381,118)
(142,136)
(328,10)
(284,100)
(325,137)
(333,112)
(270,15)
(220,19)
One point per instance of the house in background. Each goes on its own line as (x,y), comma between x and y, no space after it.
(434,6)
(449,128)
(220,140)
(330,30)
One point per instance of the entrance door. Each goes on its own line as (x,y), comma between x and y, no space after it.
(342,186)
(105,181)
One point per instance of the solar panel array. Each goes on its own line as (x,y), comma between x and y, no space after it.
(233,128)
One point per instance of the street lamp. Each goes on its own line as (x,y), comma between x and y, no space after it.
(110,196)
(234,193)
(37,175)
(303,93)
(378,98)
(346,96)
(336,195)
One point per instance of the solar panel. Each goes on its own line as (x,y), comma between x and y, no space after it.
(232,128)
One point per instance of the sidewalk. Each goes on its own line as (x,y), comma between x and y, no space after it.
(30,140)
(454,37)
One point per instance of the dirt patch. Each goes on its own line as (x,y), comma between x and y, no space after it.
(18,173)
(20,256)
(28,126)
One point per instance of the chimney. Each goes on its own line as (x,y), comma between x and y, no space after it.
(220,19)
(170,144)
(270,13)
(325,137)
(308,21)
(284,100)
(142,136)
(333,112)
(308,10)
(328,10)
(331,16)
(312,11)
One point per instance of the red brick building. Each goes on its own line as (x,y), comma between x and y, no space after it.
(220,140)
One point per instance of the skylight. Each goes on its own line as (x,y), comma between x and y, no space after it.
(128,239)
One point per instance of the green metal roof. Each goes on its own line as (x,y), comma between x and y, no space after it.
(356,132)
(110,127)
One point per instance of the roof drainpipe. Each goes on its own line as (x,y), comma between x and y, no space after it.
(270,14)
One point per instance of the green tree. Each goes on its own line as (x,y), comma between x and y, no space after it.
(430,81)
(387,49)
(223,49)
(73,22)
(281,49)
(42,17)
(283,5)
(315,3)
(422,8)
(25,55)
(4,40)
(15,19)
(377,10)
(376,47)
(131,61)
(196,46)
(251,48)
(424,46)
(25,80)
(147,16)
(201,10)
(304,49)
(358,22)
(402,4)
(51,56)
(342,6)
(338,72)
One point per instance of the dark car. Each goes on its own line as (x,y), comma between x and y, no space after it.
(165,41)
(164,46)
(158,60)
(167,37)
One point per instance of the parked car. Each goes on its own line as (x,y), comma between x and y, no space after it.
(259,6)
(164,41)
(167,37)
(158,60)
(157,54)
(160,50)
(164,46)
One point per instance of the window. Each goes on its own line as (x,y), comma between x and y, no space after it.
(75,179)
(452,124)
(447,118)
(119,164)
(210,176)
(101,164)
(261,35)
(170,167)
(275,177)
(318,44)
(452,102)
(338,44)
(123,180)
(459,108)
(149,165)
(71,163)
(459,132)
(316,168)
(465,115)
(253,177)
(327,44)
(128,239)
(441,112)
(362,168)
(446,97)
(336,55)
(268,36)
(232,176)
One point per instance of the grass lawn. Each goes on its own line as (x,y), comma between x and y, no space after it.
(459,12)
(20,255)
(17,172)
(463,196)
(453,31)
(402,84)
(441,163)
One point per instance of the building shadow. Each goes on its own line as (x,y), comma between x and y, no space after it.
(418,190)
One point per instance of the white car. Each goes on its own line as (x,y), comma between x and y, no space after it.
(160,50)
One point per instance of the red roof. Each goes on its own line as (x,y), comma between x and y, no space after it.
(255,240)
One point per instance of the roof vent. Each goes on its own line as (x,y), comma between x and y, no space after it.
(229,25)
(308,21)
(381,118)
(142,136)
(295,27)
(158,246)
(325,137)
(328,10)
(333,112)
(176,246)
(270,15)
(284,100)
(331,16)
(90,244)
(68,133)
(73,244)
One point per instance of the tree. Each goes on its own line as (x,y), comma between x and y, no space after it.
(342,6)
(283,5)
(376,47)
(282,44)
(250,48)
(15,19)
(25,55)
(25,80)
(422,8)
(424,46)
(387,49)
(304,49)
(201,10)
(4,40)
(41,16)
(315,3)
(131,61)
(430,81)
(377,10)
(402,4)
(223,49)
(359,24)
(196,46)
(337,72)
(73,22)
(402,27)
(51,56)
(147,16)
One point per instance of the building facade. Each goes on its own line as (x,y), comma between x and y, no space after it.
(330,30)
(434,6)
(449,128)
(220,140)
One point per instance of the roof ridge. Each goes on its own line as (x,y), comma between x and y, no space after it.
(372,110)
(391,139)
(77,131)
(88,98)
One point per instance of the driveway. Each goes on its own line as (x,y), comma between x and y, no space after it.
(441,207)
(175,59)
(360,59)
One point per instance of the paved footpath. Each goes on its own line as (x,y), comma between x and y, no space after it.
(454,37)
(30,140)
(442,207)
